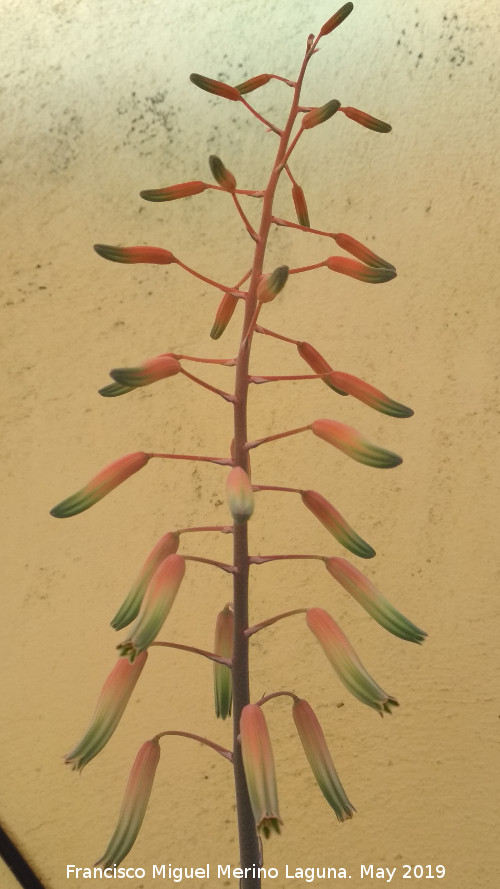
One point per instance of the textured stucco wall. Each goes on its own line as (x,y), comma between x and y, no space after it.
(96,105)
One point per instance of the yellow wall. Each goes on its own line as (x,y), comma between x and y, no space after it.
(97,105)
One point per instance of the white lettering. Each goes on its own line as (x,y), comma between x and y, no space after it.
(223,870)
(390,874)
(158,871)
(367,871)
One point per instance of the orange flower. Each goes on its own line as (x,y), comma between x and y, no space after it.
(270,285)
(128,611)
(223,677)
(150,371)
(258,763)
(216,87)
(360,251)
(158,600)
(336,524)
(224,314)
(239,495)
(102,483)
(319,115)
(318,364)
(336,19)
(366,120)
(370,395)
(221,175)
(300,205)
(367,274)
(152,255)
(352,443)
(174,192)
(248,86)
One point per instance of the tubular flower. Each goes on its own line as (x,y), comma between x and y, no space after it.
(336,19)
(270,285)
(134,805)
(369,395)
(153,255)
(316,750)
(336,524)
(102,483)
(224,314)
(174,192)
(258,763)
(300,205)
(352,443)
(361,252)
(366,120)
(223,679)
(158,600)
(216,87)
(114,697)
(367,274)
(221,175)
(319,115)
(166,546)
(318,364)
(346,663)
(239,495)
(248,86)
(150,371)
(368,596)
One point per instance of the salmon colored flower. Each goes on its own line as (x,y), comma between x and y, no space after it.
(346,242)
(239,495)
(370,395)
(104,482)
(224,314)
(221,174)
(366,120)
(300,205)
(248,86)
(318,364)
(150,371)
(216,87)
(153,255)
(359,271)
(336,524)
(319,115)
(223,678)
(258,763)
(346,663)
(114,697)
(336,19)
(270,285)
(158,600)
(135,803)
(316,750)
(128,611)
(352,443)
(174,192)
(368,596)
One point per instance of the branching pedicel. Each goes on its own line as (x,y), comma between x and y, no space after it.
(151,597)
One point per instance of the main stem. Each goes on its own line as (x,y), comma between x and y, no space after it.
(250,856)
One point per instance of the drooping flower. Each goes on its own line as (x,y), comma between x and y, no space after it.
(346,663)
(258,763)
(336,19)
(371,396)
(318,364)
(134,805)
(150,371)
(248,86)
(216,87)
(351,442)
(113,698)
(224,314)
(221,174)
(240,496)
(336,524)
(128,611)
(270,285)
(359,271)
(318,115)
(316,750)
(158,600)
(223,678)
(102,483)
(152,255)
(360,251)
(300,205)
(366,120)
(174,192)
(368,596)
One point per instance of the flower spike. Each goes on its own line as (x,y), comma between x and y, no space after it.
(216,87)
(346,663)
(150,371)
(336,19)
(352,443)
(135,803)
(158,601)
(359,271)
(258,763)
(152,255)
(223,678)
(104,482)
(113,698)
(336,524)
(128,611)
(366,120)
(174,192)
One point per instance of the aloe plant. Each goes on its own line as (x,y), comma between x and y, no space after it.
(147,605)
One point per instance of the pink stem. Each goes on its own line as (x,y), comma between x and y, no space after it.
(224,567)
(222,461)
(225,395)
(259,441)
(259,560)
(226,362)
(227,662)
(276,694)
(225,529)
(251,231)
(272,620)
(262,119)
(223,287)
(217,747)
(278,336)
(257,488)
(271,379)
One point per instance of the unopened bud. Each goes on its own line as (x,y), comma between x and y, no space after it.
(319,115)
(174,192)
(239,495)
(221,175)
(248,86)
(216,87)
(270,285)
(336,19)
(153,255)
(300,205)
(366,120)
(367,274)
(357,249)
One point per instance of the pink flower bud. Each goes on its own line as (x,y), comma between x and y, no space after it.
(352,443)
(152,255)
(174,192)
(336,524)
(224,314)
(369,395)
(216,87)
(135,802)
(319,115)
(361,252)
(270,285)
(258,763)
(318,364)
(253,84)
(223,679)
(316,750)
(366,120)
(300,205)
(239,495)
(158,600)
(128,611)
(221,175)
(368,596)
(346,663)
(336,19)
(114,697)
(358,270)
(150,371)
(104,482)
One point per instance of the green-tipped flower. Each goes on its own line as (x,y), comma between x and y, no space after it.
(359,271)
(258,763)
(223,678)
(336,19)
(221,175)
(114,697)
(224,314)
(248,86)
(336,524)
(239,495)
(300,205)
(102,483)
(158,600)
(152,255)
(128,611)
(360,251)
(368,596)
(366,120)
(346,663)
(352,443)
(150,371)
(216,87)
(316,750)
(318,364)
(114,389)
(135,802)
(174,192)
(270,285)
(319,115)
(370,395)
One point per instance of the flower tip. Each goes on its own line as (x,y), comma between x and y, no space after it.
(240,496)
